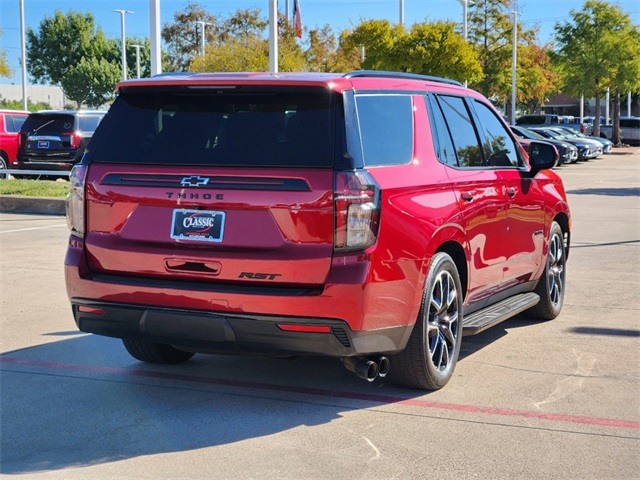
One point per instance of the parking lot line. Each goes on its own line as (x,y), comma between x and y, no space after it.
(33,228)
(382,399)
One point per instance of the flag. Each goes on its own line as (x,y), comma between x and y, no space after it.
(297,19)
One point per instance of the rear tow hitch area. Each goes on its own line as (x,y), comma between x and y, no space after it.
(367,368)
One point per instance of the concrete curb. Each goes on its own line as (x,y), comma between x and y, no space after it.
(24,204)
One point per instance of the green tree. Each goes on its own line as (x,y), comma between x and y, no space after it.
(591,51)
(92,81)
(536,77)
(69,50)
(5,69)
(436,49)
(182,39)
(427,48)
(491,32)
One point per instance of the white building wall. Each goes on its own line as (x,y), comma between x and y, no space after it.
(36,93)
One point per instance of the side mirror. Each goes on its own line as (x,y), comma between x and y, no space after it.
(542,156)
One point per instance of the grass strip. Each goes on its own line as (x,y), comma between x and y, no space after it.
(34,188)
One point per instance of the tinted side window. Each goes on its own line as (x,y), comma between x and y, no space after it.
(462,132)
(17,120)
(89,123)
(386,127)
(440,132)
(499,149)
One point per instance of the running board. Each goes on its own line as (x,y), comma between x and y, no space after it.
(496,313)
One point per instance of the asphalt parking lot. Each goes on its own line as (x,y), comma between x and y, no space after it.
(528,400)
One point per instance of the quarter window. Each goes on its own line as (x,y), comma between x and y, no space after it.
(386,128)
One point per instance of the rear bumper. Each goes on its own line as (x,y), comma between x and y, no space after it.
(222,332)
(360,314)
(53,162)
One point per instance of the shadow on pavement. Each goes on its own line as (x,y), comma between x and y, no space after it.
(84,401)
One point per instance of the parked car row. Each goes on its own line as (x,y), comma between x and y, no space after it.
(45,140)
(572,146)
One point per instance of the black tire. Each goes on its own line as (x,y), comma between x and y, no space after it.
(155,352)
(431,354)
(4,162)
(552,282)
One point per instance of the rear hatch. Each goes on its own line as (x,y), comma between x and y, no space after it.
(224,185)
(50,135)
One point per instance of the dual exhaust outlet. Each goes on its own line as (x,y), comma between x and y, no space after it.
(367,368)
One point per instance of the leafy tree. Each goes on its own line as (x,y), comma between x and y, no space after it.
(70,51)
(379,38)
(92,81)
(182,40)
(592,51)
(5,69)
(249,52)
(326,53)
(536,77)
(427,48)
(62,41)
(491,31)
(436,49)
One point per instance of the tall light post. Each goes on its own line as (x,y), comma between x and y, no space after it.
(154,17)
(514,58)
(202,24)
(124,46)
(23,52)
(138,47)
(465,4)
(401,12)
(273,36)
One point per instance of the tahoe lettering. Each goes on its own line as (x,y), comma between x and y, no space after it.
(259,276)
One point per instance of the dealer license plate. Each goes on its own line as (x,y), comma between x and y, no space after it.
(42,144)
(199,225)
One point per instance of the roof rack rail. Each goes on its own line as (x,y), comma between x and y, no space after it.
(408,76)
(173,74)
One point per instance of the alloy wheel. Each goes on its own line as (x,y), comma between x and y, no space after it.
(443,326)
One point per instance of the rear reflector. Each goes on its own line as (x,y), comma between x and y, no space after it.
(96,311)
(304,328)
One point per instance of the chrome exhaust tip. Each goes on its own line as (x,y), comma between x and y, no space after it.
(362,367)
(383,366)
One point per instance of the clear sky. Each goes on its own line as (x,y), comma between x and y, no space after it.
(338,13)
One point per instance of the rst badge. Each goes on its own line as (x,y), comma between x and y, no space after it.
(199,225)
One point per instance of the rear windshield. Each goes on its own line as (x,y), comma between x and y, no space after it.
(206,126)
(44,124)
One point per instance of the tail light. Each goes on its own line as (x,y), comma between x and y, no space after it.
(74,139)
(21,140)
(581,128)
(357,207)
(75,200)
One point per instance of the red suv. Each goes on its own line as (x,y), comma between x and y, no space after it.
(375,217)
(10,123)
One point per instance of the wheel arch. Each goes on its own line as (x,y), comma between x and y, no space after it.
(563,220)
(457,254)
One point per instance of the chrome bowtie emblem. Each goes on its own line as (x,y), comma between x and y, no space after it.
(194,181)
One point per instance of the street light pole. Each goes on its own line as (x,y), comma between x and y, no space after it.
(154,17)
(124,46)
(401,12)
(465,4)
(514,58)
(23,52)
(273,36)
(202,24)
(137,47)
